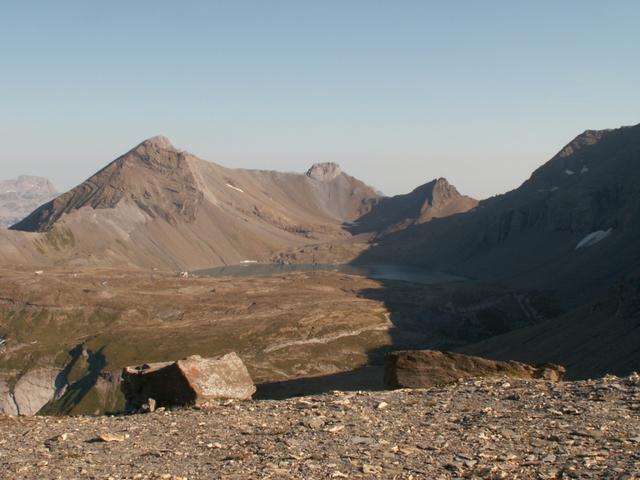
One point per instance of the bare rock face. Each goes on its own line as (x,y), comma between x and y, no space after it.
(324,172)
(32,391)
(7,403)
(430,368)
(159,142)
(191,381)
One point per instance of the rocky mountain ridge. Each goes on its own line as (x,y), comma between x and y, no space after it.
(144,206)
(435,199)
(22,195)
(530,236)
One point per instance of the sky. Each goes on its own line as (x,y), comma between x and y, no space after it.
(397,92)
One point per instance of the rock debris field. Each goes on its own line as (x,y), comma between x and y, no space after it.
(490,428)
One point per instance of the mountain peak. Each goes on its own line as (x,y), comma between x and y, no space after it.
(442,185)
(160,142)
(439,192)
(324,172)
(436,187)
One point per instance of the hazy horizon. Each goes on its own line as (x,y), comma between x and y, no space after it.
(397,94)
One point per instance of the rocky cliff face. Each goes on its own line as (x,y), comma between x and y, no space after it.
(324,172)
(21,196)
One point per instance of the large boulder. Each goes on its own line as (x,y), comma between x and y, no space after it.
(430,368)
(191,381)
(32,391)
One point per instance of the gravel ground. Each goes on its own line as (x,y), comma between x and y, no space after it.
(507,429)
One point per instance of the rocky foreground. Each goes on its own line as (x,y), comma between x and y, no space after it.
(477,429)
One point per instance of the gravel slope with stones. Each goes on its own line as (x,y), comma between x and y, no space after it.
(477,429)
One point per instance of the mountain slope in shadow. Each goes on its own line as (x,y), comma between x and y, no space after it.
(572,226)
(599,338)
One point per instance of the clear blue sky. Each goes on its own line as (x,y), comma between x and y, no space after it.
(398,92)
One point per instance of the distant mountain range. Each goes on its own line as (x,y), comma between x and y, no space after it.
(157,206)
(22,195)
(572,226)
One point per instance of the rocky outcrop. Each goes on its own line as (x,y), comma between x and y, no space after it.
(31,391)
(191,381)
(324,172)
(7,402)
(430,368)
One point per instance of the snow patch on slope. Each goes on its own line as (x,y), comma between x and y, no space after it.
(593,238)
(235,188)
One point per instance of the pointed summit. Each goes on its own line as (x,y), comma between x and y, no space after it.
(435,199)
(154,176)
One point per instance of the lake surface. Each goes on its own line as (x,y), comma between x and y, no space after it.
(381,272)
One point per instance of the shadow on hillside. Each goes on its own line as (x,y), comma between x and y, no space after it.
(368,377)
(439,316)
(89,365)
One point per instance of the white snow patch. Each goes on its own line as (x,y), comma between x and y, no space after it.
(593,238)
(235,188)
(569,172)
(248,261)
(585,169)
